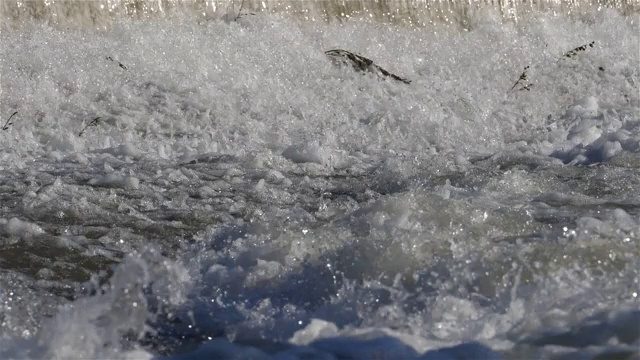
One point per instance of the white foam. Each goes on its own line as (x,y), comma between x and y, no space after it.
(316,329)
(20,228)
(115,180)
(586,107)
(307,211)
(121,150)
(308,153)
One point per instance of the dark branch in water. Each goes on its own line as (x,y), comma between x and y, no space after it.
(360,64)
(579,49)
(119,63)
(93,122)
(9,123)
(239,11)
(522,80)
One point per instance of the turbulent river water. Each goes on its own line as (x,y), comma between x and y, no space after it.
(216,187)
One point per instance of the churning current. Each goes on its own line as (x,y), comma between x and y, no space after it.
(225,189)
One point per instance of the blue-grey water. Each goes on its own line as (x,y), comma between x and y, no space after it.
(186,183)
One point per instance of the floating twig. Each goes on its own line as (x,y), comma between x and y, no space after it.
(119,63)
(576,51)
(9,123)
(93,122)
(239,11)
(522,80)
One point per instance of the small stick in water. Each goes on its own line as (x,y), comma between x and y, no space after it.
(119,63)
(521,81)
(9,123)
(579,49)
(239,11)
(93,122)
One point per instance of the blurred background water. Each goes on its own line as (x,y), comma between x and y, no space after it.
(412,12)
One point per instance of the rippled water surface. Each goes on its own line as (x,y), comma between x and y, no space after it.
(173,187)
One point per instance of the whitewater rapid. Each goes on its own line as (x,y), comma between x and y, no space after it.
(173,189)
